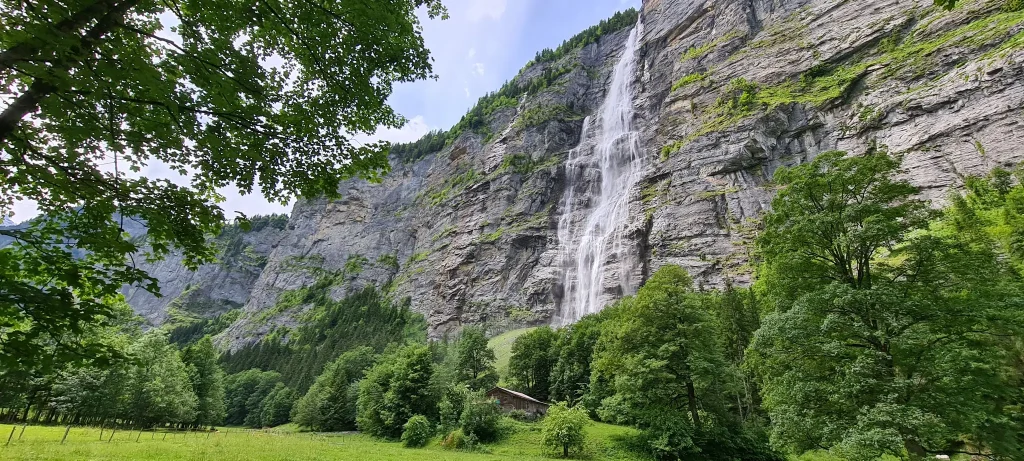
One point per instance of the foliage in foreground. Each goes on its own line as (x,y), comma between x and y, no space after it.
(96,91)
(892,333)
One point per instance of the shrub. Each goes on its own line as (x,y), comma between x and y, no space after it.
(481,418)
(455,440)
(417,432)
(520,415)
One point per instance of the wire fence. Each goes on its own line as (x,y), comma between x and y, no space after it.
(26,433)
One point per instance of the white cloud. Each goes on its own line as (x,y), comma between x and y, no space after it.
(24,210)
(479,68)
(234,200)
(481,9)
(467,91)
(472,53)
(412,131)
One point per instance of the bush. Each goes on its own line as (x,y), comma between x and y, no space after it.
(417,432)
(455,440)
(563,427)
(520,415)
(481,418)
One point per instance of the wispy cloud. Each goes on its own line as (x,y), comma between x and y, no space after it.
(482,9)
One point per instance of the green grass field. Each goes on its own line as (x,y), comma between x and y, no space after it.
(43,443)
(502,345)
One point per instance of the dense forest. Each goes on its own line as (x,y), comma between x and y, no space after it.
(877,326)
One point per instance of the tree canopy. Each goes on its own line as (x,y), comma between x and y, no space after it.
(889,335)
(531,362)
(265,96)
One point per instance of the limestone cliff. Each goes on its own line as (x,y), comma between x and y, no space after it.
(727,91)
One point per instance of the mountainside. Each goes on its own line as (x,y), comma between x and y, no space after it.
(481,224)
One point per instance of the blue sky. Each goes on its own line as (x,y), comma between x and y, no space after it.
(485,43)
(482,44)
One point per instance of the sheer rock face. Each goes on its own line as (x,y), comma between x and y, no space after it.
(211,290)
(473,228)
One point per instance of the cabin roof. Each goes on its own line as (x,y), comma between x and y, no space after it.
(516,394)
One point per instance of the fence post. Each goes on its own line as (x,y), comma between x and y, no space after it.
(22,431)
(138,436)
(112,432)
(101,432)
(165,437)
(10,436)
(65,434)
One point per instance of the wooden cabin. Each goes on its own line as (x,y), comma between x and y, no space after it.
(510,400)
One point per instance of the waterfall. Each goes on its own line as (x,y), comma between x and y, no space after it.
(600,172)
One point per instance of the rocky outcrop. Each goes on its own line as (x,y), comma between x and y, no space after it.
(944,89)
(211,290)
(727,92)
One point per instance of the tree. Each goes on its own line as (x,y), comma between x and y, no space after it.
(570,377)
(207,382)
(24,386)
(737,319)
(330,404)
(480,417)
(889,336)
(244,395)
(474,360)
(453,402)
(94,394)
(663,361)
(394,390)
(659,365)
(815,236)
(159,390)
(563,427)
(100,89)
(532,359)
(277,405)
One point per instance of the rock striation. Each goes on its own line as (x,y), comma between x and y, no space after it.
(725,93)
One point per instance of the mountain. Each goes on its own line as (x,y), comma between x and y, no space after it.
(7,222)
(640,143)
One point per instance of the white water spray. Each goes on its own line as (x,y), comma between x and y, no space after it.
(600,174)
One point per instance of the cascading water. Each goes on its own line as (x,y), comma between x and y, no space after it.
(600,173)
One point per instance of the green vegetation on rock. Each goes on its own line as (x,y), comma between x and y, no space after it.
(538,115)
(477,119)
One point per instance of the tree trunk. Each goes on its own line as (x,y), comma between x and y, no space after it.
(40,88)
(70,25)
(691,395)
(914,449)
(565,450)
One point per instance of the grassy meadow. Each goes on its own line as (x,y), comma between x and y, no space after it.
(43,443)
